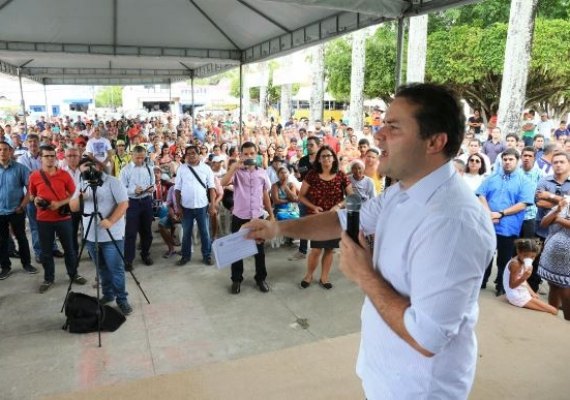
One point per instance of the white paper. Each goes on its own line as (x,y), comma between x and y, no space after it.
(232,248)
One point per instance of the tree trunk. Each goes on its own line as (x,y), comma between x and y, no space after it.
(286,91)
(263,90)
(417,45)
(318,82)
(357,80)
(515,70)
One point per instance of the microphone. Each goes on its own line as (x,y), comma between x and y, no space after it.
(353,203)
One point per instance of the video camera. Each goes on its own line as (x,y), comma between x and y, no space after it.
(91,175)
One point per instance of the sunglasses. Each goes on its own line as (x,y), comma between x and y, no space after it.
(474,160)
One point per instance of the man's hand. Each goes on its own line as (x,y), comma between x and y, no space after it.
(19,210)
(105,224)
(355,260)
(260,229)
(138,190)
(54,205)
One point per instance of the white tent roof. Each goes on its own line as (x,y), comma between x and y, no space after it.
(147,41)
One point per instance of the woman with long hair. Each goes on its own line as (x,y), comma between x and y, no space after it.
(324,188)
(475,171)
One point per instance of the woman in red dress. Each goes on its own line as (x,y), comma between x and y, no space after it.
(324,188)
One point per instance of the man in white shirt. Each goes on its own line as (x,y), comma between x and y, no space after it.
(193,182)
(432,242)
(545,126)
(100,149)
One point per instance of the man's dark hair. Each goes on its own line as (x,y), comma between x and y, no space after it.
(512,135)
(438,111)
(538,135)
(529,149)
(315,139)
(510,152)
(247,145)
(192,147)
(139,149)
(46,148)
(549,148)
(317,165)
(561,154)
(363,141)
(33,136)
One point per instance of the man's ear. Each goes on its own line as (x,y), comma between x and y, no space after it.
(436,143)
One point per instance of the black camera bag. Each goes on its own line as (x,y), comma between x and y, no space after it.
(81,313)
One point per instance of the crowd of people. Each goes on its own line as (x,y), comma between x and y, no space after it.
(177,170)
(428,179)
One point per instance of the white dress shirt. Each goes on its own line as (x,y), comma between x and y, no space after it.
(433,242)
(192,193)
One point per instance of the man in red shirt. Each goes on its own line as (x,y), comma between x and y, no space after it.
(51,189)
(330,140)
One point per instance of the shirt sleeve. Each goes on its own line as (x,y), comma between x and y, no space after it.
(483,189)
(444,282)
(526,194)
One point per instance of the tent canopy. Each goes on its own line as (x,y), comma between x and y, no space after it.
(120,42)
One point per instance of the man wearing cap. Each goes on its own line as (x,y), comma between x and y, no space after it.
(121,158)
(13,179)
(193,182)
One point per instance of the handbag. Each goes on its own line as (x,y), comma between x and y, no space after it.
(64,210)
(201,183)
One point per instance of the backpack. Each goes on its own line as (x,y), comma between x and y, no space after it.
(81,311)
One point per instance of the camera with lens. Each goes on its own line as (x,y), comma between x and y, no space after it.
(91,174)
(43,204)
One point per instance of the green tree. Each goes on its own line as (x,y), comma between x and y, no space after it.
(471,58)
(380,65)
(109,96)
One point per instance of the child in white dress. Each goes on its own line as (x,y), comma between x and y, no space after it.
(517,271)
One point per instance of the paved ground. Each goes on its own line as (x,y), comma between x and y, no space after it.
(194,323)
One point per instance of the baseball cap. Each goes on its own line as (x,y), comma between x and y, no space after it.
(120,142)
(217,159)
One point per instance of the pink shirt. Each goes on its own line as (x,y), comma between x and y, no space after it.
(249,186)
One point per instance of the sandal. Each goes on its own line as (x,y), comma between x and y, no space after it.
(169,254)
(325,285)
(304,284)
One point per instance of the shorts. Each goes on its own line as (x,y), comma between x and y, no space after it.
(167,222)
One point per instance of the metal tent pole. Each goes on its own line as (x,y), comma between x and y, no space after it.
(22,101)
(240,102)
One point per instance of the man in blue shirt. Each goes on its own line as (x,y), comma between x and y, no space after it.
(13,180)
(505,195)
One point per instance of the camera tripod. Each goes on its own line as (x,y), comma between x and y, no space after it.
(94,218)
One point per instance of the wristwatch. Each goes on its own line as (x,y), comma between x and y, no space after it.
(502,213)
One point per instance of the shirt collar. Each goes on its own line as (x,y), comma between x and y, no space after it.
(423,189)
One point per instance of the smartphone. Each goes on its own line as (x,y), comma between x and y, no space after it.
(248,162)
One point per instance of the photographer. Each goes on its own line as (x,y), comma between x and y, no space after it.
(112,202)
(50,190)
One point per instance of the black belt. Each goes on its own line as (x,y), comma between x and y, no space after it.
(140,199)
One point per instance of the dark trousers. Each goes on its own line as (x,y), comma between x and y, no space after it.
(237,267)
(139,220)
(505,251)
(75,222)
(528,231)
(18,223)
(302,242)
(47,232)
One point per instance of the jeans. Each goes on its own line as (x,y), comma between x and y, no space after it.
(31,211)
(47,232)
(237,267)
(139,220)
(505,251)
(201,217)
(76,219)
(110,268)
(18,223)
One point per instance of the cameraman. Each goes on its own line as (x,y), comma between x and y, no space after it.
(50,189)
(112,202)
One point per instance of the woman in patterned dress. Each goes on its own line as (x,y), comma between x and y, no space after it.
(554,265)
(324,188)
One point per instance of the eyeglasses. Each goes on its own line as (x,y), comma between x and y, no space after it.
(326,155)
(474,160)
(49,156)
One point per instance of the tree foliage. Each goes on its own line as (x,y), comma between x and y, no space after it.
(109,96)
(466,50)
